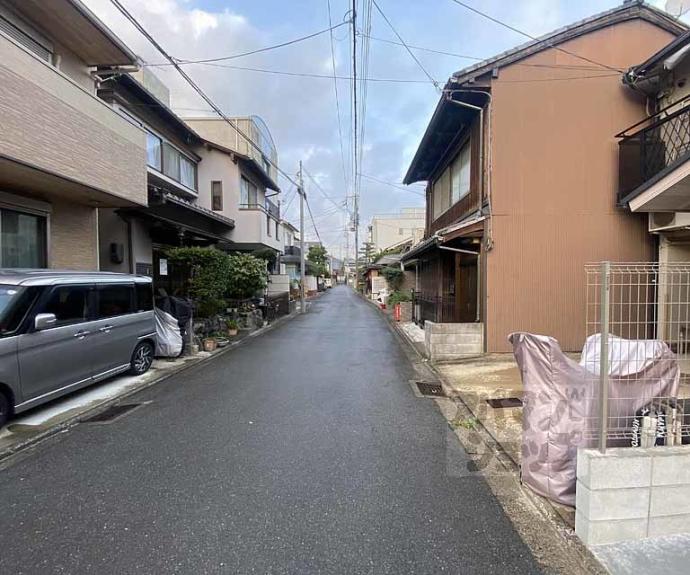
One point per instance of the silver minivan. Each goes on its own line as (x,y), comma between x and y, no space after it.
(63,330)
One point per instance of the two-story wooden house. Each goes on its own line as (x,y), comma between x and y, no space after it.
(520,160)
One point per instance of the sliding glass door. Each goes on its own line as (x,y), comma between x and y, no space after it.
(22,240)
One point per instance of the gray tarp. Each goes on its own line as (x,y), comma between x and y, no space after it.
(560,400)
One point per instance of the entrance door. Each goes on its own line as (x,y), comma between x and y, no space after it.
(466,276)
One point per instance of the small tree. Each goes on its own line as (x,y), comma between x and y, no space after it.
(206,271)
(268,255)
(317,257)
(394,276)
(247,275)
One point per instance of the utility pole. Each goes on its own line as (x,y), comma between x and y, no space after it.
(356,241)
(301,241)
(355,187)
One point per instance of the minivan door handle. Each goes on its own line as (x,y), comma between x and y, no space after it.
(105,328)
(81,334)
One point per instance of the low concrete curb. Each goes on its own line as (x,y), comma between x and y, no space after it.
(66,424)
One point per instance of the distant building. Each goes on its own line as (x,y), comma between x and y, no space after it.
(388,230)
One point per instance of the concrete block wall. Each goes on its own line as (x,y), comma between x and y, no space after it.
(632,493)
(449,341)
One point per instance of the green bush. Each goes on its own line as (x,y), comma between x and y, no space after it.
(394,276)
(398,296)
(247,275)
(206,271)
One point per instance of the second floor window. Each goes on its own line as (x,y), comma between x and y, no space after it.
(268,225)
(248,193)
(460,175)
(153,151)
(217,196)
(171,162)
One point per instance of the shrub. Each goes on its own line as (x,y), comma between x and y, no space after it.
(397,297)
(247,275)
(394,276)
(206,272)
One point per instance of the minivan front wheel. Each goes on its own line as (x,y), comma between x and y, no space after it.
(142,358)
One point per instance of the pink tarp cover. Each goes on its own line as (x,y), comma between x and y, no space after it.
(559,400)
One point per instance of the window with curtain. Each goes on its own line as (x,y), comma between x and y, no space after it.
(442,193)
(217,196)
(187,172)
(248,193)
(153,151)
(22,240)
(460,175)
(171,162)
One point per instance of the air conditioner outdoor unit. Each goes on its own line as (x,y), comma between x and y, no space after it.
(667,221)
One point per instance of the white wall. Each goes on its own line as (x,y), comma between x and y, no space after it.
(386,229)
(250,224)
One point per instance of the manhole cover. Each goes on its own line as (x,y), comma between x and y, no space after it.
(501,402)
(431,389)
(112,413)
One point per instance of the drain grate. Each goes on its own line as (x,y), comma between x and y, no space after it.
(112,413)
(430,389)
(504,402)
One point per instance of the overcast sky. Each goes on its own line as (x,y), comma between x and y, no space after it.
(301,112)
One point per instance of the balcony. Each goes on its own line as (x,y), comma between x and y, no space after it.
(59,139)
(654,166)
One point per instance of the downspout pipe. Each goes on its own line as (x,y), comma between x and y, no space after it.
(486,180)
(486,169)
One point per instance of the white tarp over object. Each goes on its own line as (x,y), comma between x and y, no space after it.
(626,356)
(168,337)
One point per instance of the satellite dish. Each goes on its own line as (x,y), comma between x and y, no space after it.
(677,7)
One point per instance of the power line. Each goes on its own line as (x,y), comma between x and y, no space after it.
(404,189)
(196,88)
(323,193)
(337,99)
(350,78)
(477,58)
(509,27)
(306,201)
(410,52)
(312,74)
(258,51)
(364,86)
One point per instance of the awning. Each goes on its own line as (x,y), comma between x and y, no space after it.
(473,228)
(183,216)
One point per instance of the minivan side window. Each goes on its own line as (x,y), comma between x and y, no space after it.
(115,300)
(70,304)
(144,297)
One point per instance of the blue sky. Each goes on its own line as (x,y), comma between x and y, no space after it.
(301,112)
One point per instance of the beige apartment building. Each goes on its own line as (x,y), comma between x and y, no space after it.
(63,151)
(390,230)
(237,179)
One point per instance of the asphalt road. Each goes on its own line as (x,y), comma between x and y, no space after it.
(304,451)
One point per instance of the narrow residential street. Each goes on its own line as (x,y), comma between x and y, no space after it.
(303,451)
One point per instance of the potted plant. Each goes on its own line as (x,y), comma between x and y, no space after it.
(232,326)
(209,343)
